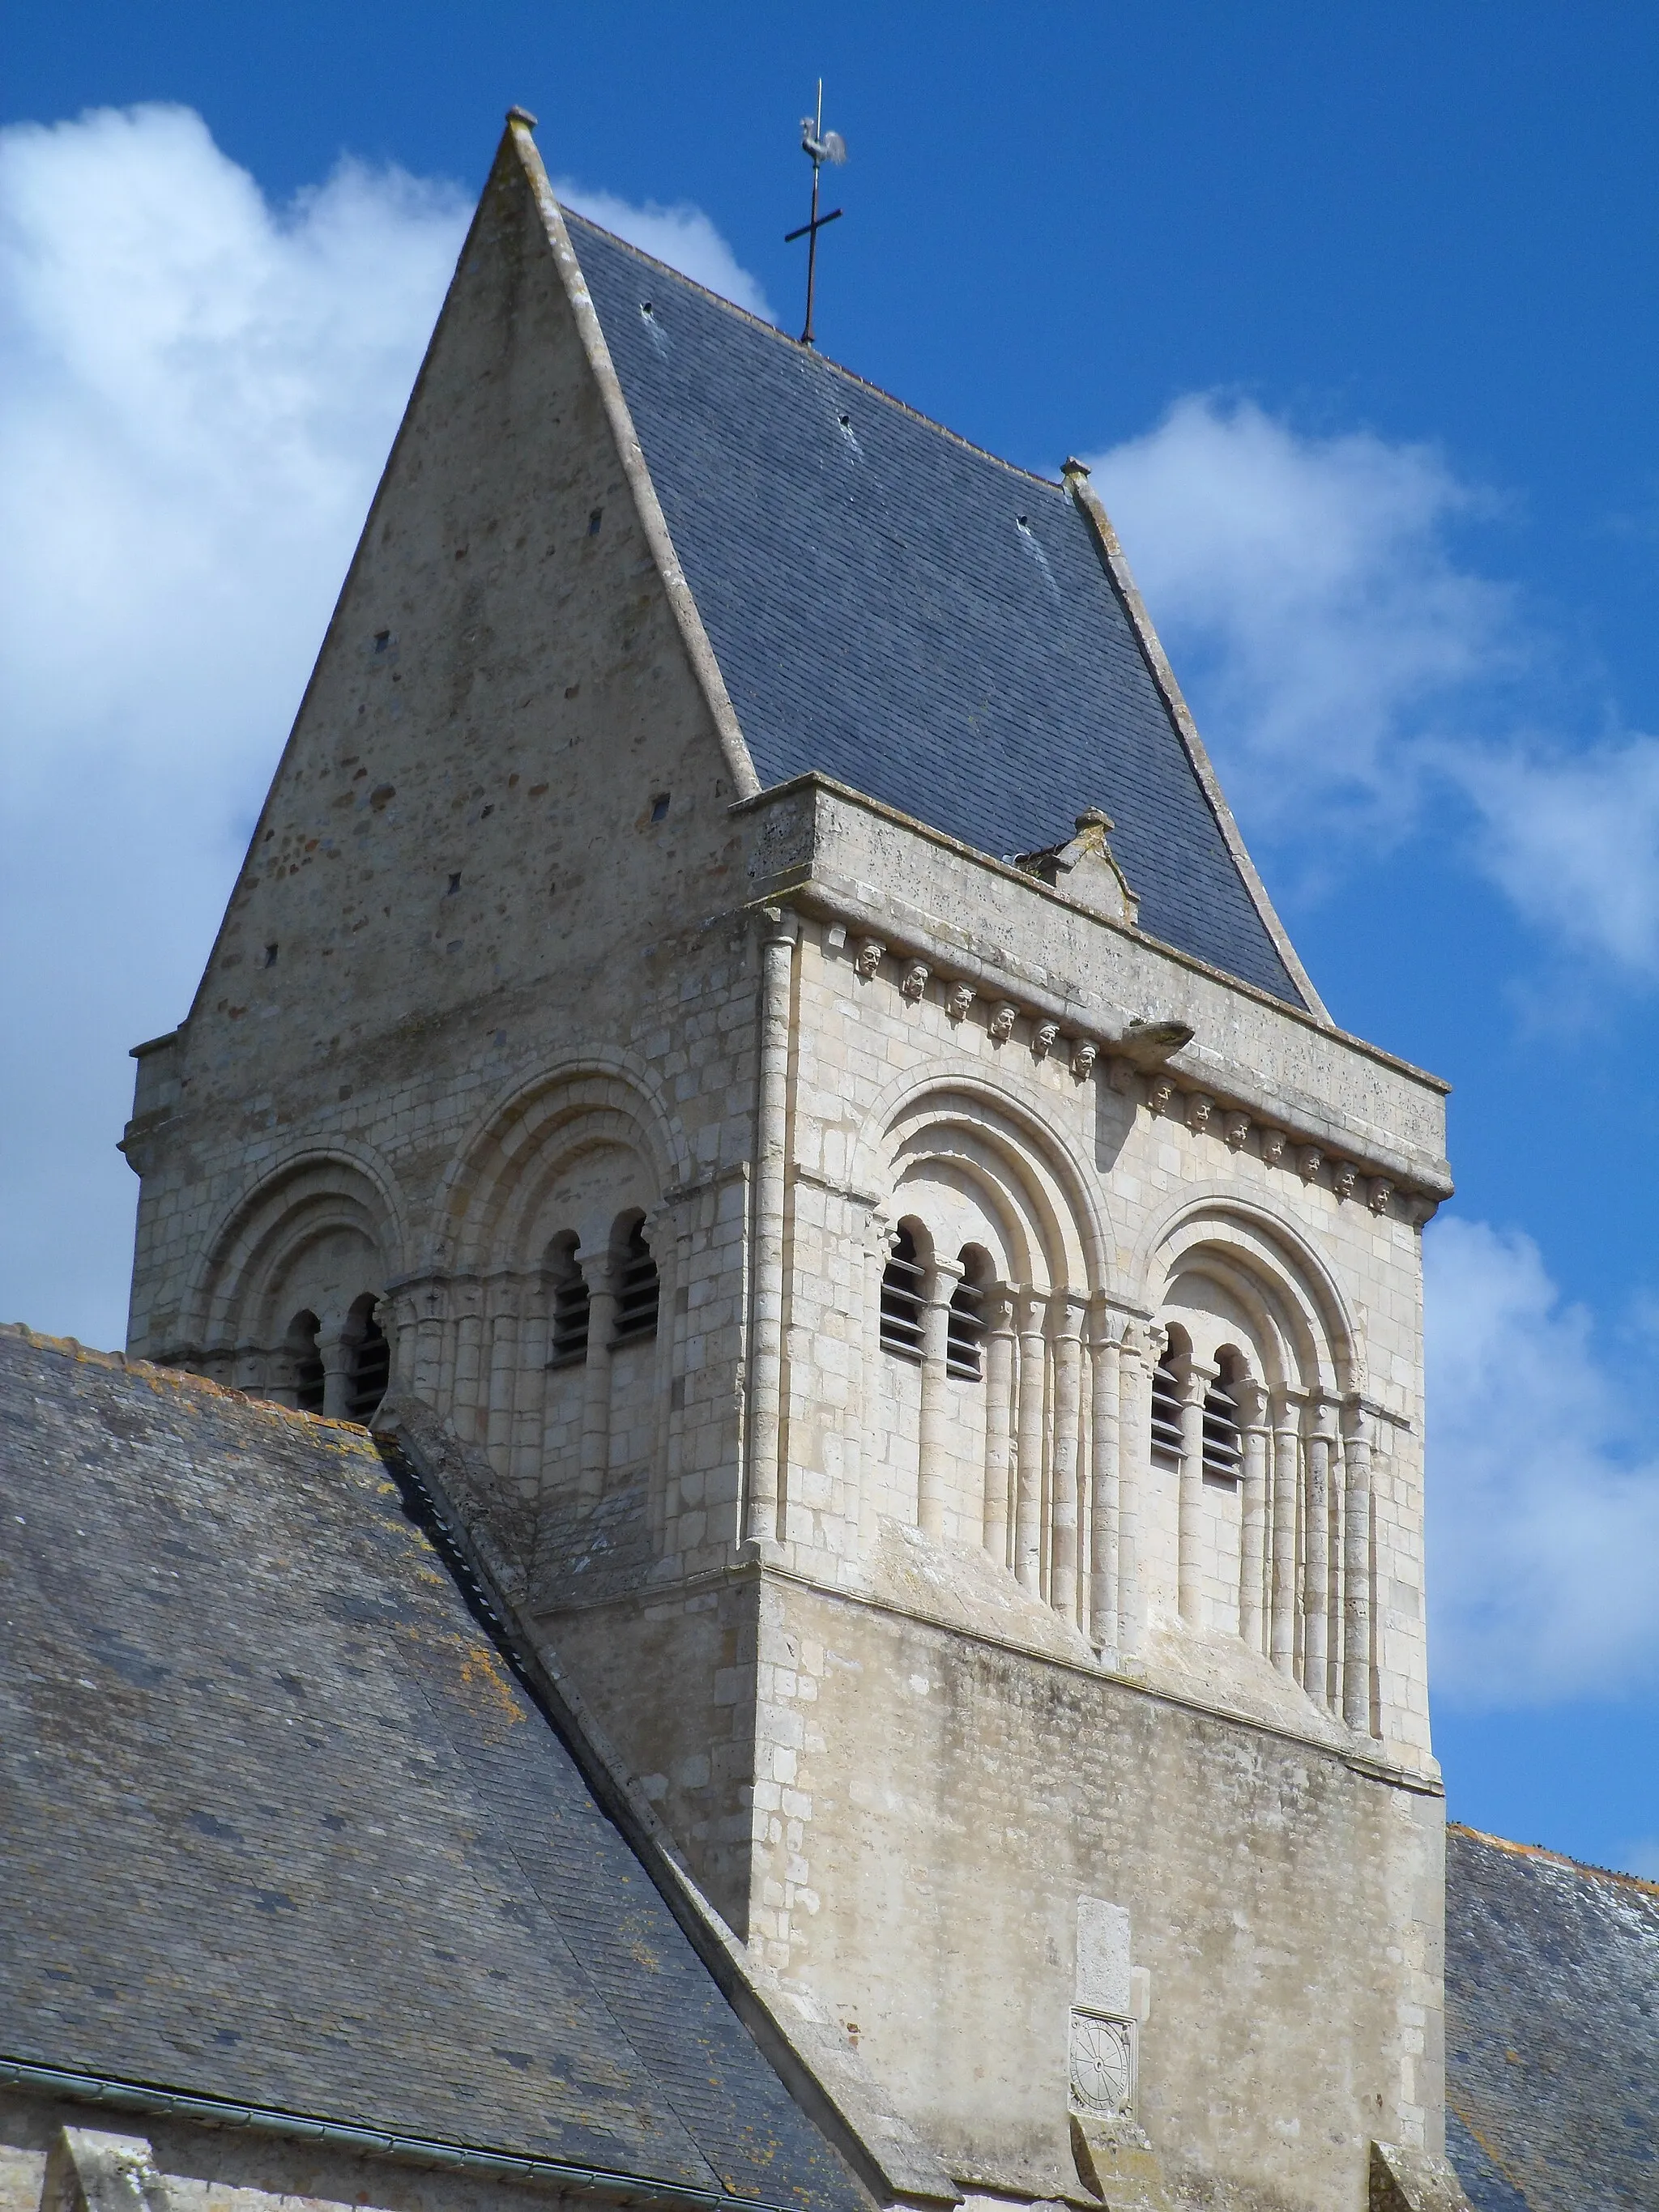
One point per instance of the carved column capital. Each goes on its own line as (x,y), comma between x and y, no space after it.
(1254,1401)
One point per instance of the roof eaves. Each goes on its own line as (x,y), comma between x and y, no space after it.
(155,2099)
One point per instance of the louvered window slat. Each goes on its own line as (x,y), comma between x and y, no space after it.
(901,1301)
(570,1321)
(637,1291)
(1166,1412)
(964,1332)
(1224,1448)
(371,1369)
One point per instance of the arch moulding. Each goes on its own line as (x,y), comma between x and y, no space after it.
(912,1103)
(310,1189)
(486,1181)
(1253,1236)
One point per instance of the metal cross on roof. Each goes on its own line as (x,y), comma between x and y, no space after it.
(822,146)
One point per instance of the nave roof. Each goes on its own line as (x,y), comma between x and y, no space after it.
(284,1827)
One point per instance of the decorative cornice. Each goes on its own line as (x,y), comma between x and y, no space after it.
(1084,1052)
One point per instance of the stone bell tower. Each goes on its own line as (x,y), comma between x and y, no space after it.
(934,1336)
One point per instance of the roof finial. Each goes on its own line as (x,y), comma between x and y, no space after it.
(822,146)
(521,115)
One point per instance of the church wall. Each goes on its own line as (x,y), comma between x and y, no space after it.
(952,1800)
(672,1675)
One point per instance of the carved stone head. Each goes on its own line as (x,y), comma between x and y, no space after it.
(1236,1128)
(1084,1056)
(1003,1019)
(960,999)
(913,980)
(869,957)
(1043,1039)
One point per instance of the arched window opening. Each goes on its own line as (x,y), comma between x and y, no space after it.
(1223,1445)
(637,1289)
(965,1323)
(371,1365)
(1166,1401)
(901,1300)
(306,1362)
(570,1302)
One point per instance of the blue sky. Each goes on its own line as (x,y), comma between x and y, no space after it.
(1355,310)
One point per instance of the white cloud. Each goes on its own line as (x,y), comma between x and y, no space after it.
(1573,840)
(1306,585)
(197,391)
(681,235)
(1351,669)
(1543,1484)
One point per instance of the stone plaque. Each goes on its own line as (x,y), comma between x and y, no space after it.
(1103,1957)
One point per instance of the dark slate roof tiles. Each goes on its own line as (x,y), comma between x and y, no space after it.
(1552,2031)
(897,610)
(282,1827)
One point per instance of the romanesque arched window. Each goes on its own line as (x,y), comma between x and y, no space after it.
(901,1298)
(638,1288)
(1223,1443)
(965,1323)
(569,1315)
(304,1363)
(370,1367)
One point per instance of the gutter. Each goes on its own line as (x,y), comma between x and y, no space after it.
(301,2126)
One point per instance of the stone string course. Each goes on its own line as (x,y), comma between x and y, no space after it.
(1161,1093)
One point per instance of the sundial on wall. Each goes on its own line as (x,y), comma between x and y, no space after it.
(1103,2064)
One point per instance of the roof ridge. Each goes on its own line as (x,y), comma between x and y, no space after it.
(864,383)
(70,1348)
(1554,1858)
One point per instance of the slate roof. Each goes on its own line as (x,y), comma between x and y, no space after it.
(282,1826)
(1552,2031)
(899,611)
